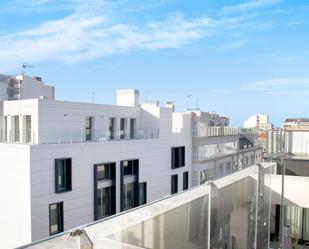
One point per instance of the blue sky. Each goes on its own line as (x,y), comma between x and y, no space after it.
(237,58)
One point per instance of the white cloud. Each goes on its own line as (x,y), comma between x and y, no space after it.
(92,32)
(278,86)
(80,37)
(248,5)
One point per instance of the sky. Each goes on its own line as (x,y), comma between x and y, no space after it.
(234,57)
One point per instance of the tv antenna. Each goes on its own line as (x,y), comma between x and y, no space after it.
(25,66)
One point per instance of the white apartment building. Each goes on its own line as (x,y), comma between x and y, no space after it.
(258,121)
(65,164)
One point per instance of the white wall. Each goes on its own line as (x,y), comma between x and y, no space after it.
(15,208)
(32,88)
(154,167)
(3,91)
(298,142)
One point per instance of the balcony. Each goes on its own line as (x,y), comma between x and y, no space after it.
(63,136)
(217,131)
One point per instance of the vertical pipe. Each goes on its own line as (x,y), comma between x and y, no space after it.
(282,203)
(209,217)
(269,207)
(256,209)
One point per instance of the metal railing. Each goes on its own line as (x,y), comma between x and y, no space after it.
(215,131)
(52,136)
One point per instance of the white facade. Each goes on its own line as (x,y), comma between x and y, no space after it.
(24,87)
(166,157)
(259,121)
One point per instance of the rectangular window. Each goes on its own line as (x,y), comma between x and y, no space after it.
(174,184)
(128,196)
(123,128)
(128,167)
(129,184)
(15,128)
(112,128)
(132,128)
(103,172)
(104,190)
(178,157)
(185,180)
(142,193)
(63,175)
(55,218)
(89,128)
(28,128)
(104,207)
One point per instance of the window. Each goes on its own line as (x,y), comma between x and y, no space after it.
(123,128)
(55,218)
(112,128)
(129,184)
(15,127)
(28,128)
(132,128)
(185,180)
(128,196)
(63,175)
(128,168)
(104,190)
(174,184)
(142,193)
(103,202)
(103,172)
(178,157)
(89,128)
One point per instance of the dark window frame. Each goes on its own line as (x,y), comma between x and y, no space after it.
(67,175)
(135,163)
(174,191)
(112,174)
(185,183)
(60,219)
(144,193)
(178,157)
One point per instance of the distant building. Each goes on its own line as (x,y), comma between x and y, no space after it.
(296,122)
(24,87)
(217,120)
(258,121)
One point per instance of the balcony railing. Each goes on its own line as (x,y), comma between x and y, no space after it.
(216,131)
(214,153)
(53,136)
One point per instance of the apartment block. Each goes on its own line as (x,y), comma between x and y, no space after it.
(65,164)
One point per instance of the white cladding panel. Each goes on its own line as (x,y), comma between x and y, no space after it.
(154,167)
(15,195)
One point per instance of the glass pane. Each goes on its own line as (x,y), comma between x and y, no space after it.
(128,196)
(103,172)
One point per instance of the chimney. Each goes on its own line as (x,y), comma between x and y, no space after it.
(128,97)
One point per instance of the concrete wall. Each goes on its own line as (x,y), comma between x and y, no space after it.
(15,208)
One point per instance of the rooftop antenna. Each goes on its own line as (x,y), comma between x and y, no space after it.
(197,103)
(93,94)
(188,97)
(25,66)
